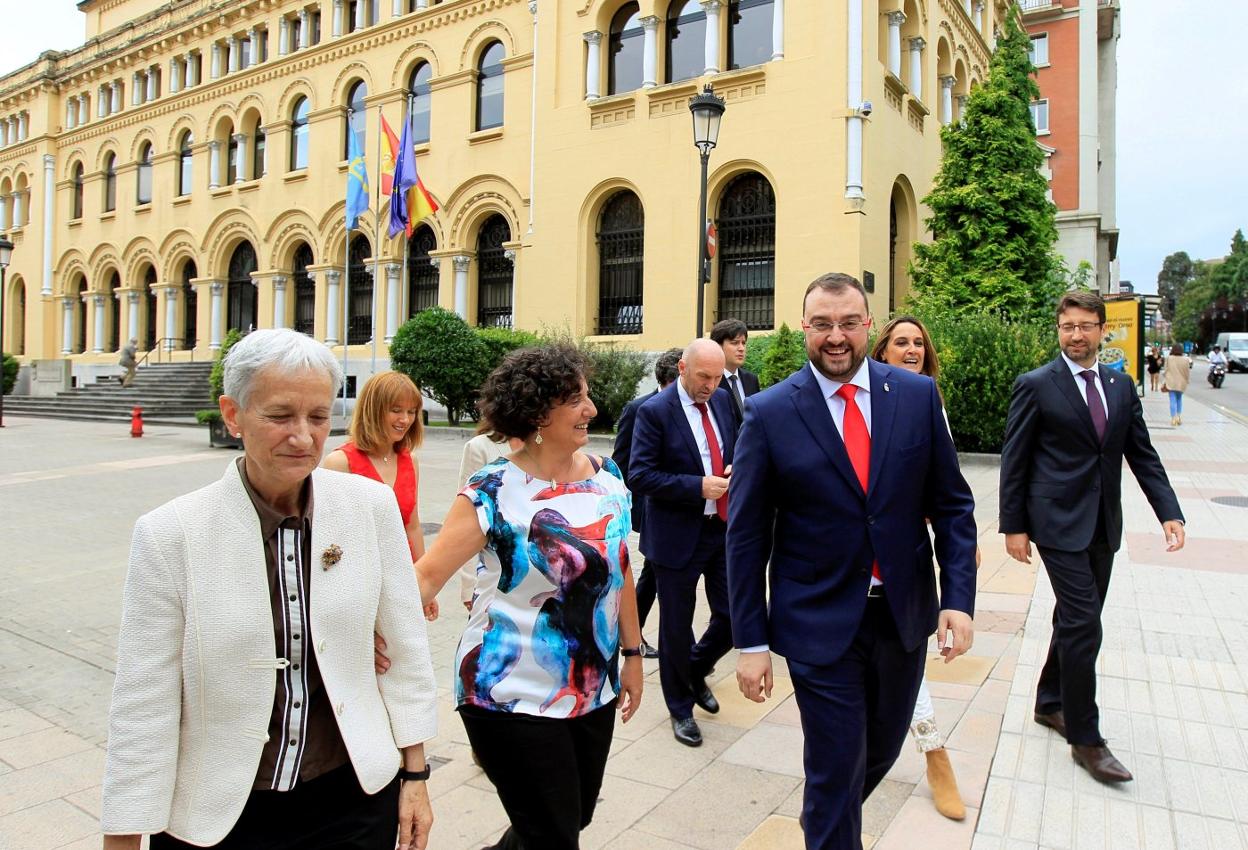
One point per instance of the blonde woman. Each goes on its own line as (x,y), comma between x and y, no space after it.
(1174,380)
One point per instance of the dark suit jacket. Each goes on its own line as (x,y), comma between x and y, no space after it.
(1056,477)
(666,468)
(796,501)
(621,452)
(749,383)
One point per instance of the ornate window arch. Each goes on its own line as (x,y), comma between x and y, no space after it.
(422,274)
(625,49)
(299,133)
(356,118)
(110,181)
(75,210)
(621,255)
(143,181)
(186,162)
(190,305)
(421,101)
(489,111)
(495,274)
(747,251)
(305,290)
(241,297)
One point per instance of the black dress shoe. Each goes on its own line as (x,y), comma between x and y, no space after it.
(686,731)
(648,651)
(1097,760)
(1054,720)
(703,697)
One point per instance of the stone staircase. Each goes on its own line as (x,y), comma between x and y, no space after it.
(169,394)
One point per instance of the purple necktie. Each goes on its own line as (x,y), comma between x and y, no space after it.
(1095,406)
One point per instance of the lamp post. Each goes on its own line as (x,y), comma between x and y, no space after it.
(6,253)
(707,109)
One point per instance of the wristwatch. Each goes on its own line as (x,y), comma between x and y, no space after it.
(415,775)
(631,653)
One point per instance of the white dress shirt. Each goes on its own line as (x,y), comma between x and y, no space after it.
(699,436)
(739,391)
(1077,371)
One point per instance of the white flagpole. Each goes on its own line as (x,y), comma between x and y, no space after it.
(372,369)
(404,285)
(346,320)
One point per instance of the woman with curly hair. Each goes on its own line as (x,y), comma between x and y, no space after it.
(538,673)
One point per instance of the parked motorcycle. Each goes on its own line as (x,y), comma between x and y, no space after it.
(1217,374)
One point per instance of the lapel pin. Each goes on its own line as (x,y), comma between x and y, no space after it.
(1111,380)
(886,387)
(331,556)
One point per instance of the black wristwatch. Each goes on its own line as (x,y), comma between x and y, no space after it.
(415,775)
(630,653)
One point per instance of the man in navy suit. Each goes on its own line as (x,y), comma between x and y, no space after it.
(838,468)
(681,459)
(1071,424)
(740,383)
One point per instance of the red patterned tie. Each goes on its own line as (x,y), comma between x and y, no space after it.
(717,457)
(857,444)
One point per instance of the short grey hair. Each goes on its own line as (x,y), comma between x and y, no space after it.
(283,349)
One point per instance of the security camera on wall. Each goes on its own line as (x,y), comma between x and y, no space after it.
(865,109)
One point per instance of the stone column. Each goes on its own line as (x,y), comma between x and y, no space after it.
(650,52)
(461,264)
(98,301)
(49,217)
(396,9)
(136,89)
(215,68)
(916,67)
(175,75)
(978,16)
(171,315)
(84,108)
(895,20)
(4,133)
(253,39)
(962,107)
(19,213)
(966,6)
(115,105)
(132,314)
(192,70)
(712,36)
(361,9)
(946,99)
(422,4)
(279,300)
(244,158)
(4,213)
(214,341)
(153,78)
(777,30)
(214,164)
(304,35)
(593,65)
(67,324)
(333,325)
(71,113)
(283,36)
(393,292)
(235,51)
(338,20)
(101,101)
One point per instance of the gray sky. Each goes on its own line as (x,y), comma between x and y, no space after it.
(1182,120)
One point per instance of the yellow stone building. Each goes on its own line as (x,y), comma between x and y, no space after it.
(184,171)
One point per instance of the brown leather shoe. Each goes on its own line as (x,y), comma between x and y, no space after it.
(1054,720)
(1097,760)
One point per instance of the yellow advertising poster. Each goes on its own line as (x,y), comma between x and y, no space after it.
(1122,344)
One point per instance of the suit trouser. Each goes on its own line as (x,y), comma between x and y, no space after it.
(330,811)
(681,661)
(1068,680)
(646,591)
(855,713)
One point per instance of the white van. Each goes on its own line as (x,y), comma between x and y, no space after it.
(1235,346)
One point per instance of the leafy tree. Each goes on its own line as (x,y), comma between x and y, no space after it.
(437,350)
(1177,271)
(993,223)
(1195,300)
(786,353)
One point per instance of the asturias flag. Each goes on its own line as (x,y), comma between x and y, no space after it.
(357,181)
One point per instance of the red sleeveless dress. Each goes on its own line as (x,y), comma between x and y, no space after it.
(404,481)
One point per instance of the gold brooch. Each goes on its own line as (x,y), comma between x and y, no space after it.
(331,556)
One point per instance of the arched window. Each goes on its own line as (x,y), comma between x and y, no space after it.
(15,339)
(357,118)
(490,87)
(747,252)
(494,274)
(621,229)
(299,134)
(231,158)
(259,162)
(143,193)
(749,32)
(114,310)
(241,295)
(190,305)
(305,290)
(110,182)
(80,306)
(422,99)
(360,297)
(185,163)
(422,274)
(149,294)
(76,203)
(625,48)
(686,40)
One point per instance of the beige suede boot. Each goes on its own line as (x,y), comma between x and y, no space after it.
(944,786)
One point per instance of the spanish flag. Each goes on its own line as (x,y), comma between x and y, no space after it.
(410,202)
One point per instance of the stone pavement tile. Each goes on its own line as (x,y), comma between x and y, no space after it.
(1158,829)
(1219,555)
(792,805)
(987,842)
(1005,667)
(736,710)
(989,645)
(651,714)
(775,833)
(635,839)
(1224,833)
(1091,816)
(1018,603)
(910,766)
(18,721)
(772,747)
(465,818)
(1033,760)
(452,766)
(1056,820)
(721,808)
(38,747)
(1124,825)
(45,826)
(993,696)
(977,732)
(32,786)
(1191,833)
(882,806)
(966,670)
(918,824)
(91,842)
(1214,799)
(952,690)
(1149,786)
(786,713)
(1005,759)
(1181,785)
(971,771)
(90,801)
(658,759)
(1026,811)
(621,803)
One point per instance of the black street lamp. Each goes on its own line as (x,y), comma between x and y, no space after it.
(708,110)
(6,253)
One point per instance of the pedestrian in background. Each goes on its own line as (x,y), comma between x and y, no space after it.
(1174,381)
(129,361)
(1153,362)
(732,335)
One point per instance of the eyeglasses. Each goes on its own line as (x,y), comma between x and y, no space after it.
(1082,327)
(849,326)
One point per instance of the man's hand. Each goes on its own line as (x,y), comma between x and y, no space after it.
(1019,547)
(754,675)
(959,622)
(713,487)
(381,662)
(1175,535)
(415,816)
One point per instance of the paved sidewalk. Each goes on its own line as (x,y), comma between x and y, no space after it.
(1174,627)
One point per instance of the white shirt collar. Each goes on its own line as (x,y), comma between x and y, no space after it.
(1076,369)
(685,399)
(829,388)
(729,374)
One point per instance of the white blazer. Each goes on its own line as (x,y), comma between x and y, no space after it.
(195,659)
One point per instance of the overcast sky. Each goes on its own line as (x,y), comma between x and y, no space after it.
(1182,120)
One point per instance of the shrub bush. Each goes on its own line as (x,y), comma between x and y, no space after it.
(499,342)
(216,378)
(755,351)
(446,359)
(614,375)
(785,354)
(10,373)
(980,356)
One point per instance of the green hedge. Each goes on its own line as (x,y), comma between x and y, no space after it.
(614,375)
(216,378)
(10,373)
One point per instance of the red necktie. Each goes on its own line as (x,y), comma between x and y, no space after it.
(717,457)
(857,443)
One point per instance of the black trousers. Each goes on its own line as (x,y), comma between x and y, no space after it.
(331,811)
(855,713)
(681,660)
(646,591)
(1068,679)
(547,772)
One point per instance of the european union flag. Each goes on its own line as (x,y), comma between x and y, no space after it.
(357,181)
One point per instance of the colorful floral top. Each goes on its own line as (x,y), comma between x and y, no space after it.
(543,634)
